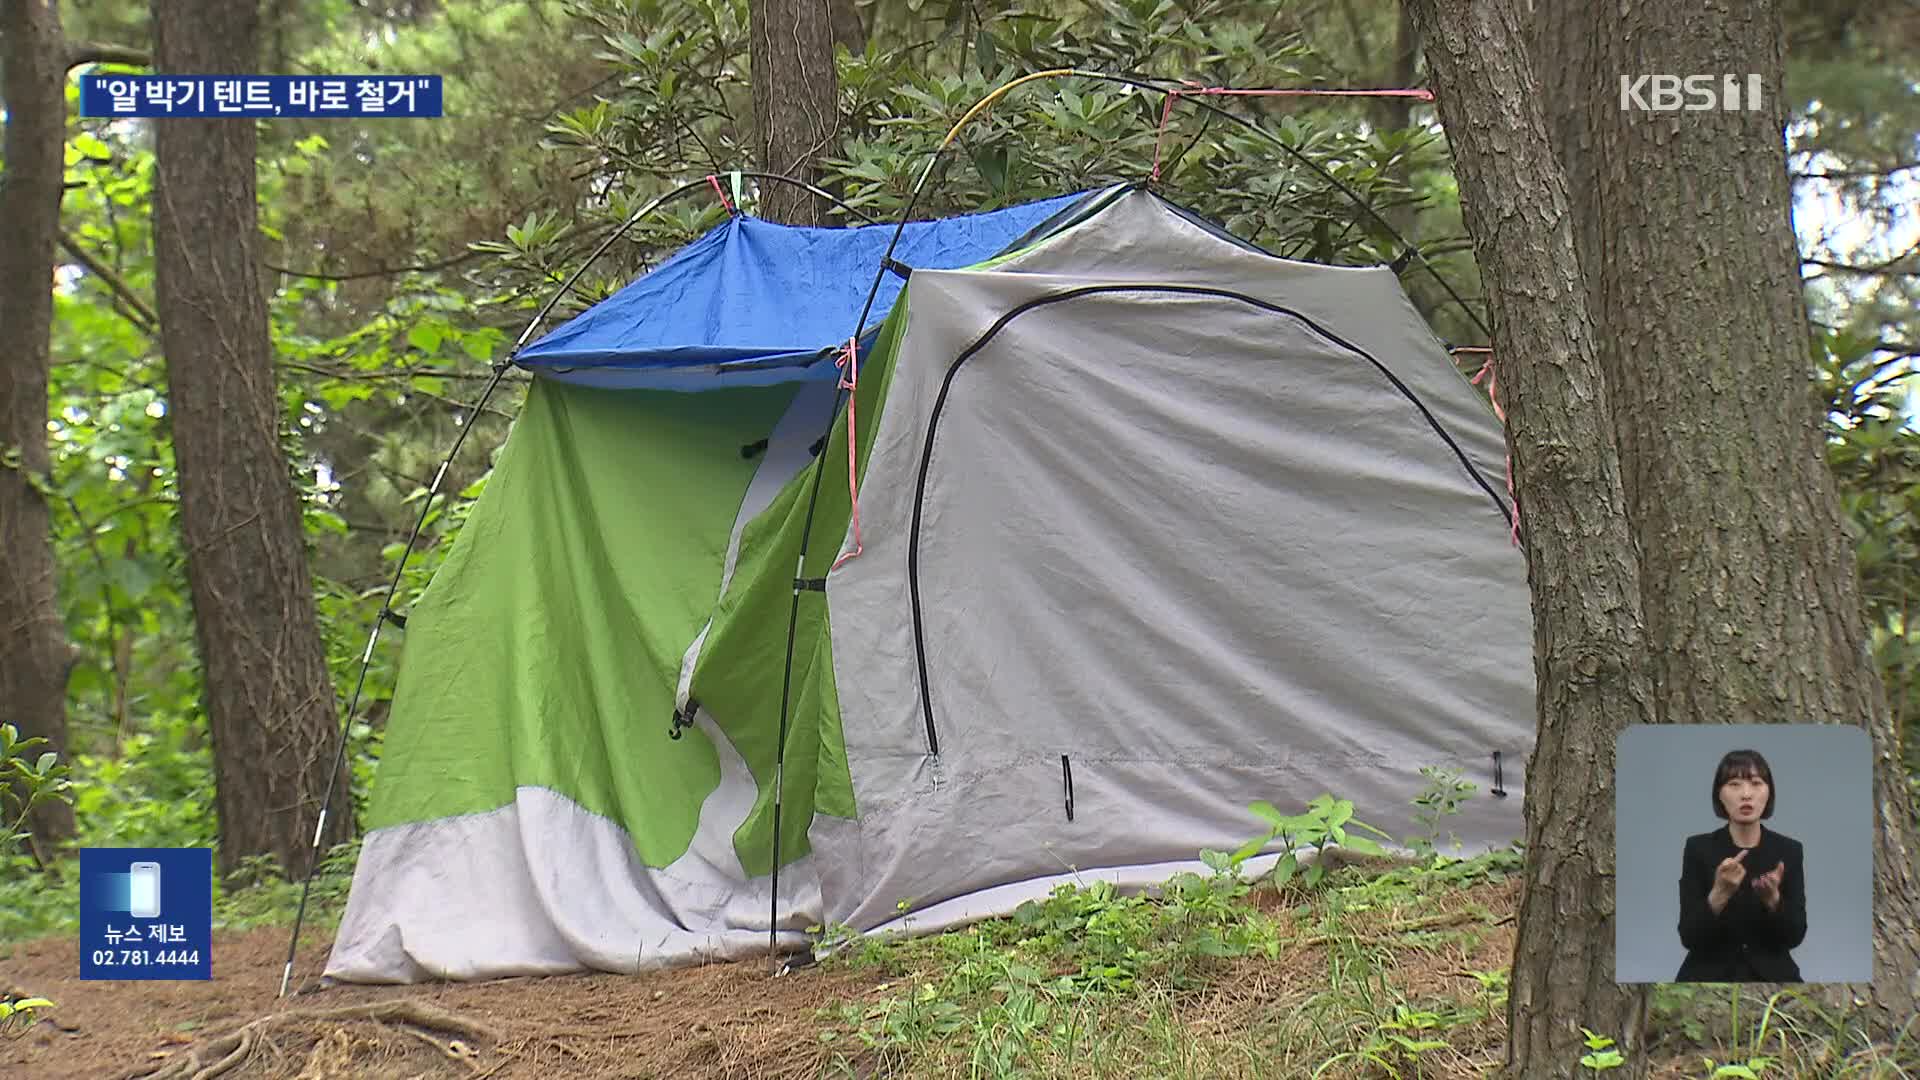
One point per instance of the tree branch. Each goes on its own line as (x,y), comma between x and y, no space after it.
(383,271)
(466,406)
(113,281)
(344,375)
(94,52)
(1865,271)
(1858,174)
(1886,268)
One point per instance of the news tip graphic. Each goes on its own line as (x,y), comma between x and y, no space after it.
(146,913)
(202,96)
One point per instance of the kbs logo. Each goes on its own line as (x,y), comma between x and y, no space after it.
(1690,93)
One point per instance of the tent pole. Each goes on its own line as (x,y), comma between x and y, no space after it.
(366,661)
(1142,83)
(813,502)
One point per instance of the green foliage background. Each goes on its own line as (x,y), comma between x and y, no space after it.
(406,255)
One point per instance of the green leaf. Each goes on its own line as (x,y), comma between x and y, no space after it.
(426,336)
(1283,870)
(985,52)
(1269,813)
(1362,845)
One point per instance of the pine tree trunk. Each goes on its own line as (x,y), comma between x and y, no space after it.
(1588,632)
(269,699)
(33,676)
(1748,577)
(796,103)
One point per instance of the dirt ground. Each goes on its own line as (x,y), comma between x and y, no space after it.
(724,1020)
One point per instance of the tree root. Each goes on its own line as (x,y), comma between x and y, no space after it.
(229,1051)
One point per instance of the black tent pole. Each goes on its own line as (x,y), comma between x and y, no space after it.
(806,536)
(1142,83)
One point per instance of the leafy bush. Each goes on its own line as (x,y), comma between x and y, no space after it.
(29,776)
(157,792)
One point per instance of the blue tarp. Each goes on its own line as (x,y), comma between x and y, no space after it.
(755,302)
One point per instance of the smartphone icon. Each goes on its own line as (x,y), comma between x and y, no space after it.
(143,895)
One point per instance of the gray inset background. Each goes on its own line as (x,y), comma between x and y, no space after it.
(1823,785)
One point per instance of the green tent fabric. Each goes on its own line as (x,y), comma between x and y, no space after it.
(516,644)
(1149,525)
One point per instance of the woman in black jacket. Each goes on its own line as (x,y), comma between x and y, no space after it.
(1743,898)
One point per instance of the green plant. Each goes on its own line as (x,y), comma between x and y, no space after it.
(26,784)
(1397,1043)
(832,937)
(1324,824)
(1677,1005)
(1749,1070)
(16,1017)
(256,893)
(1493,990)
(29,900)
(1439,800)
(152,792)
(1601,1054)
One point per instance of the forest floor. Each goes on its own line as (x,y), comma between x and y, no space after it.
(1366,980)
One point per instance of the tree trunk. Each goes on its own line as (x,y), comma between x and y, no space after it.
(269,699)
(1397,113)
(1588,633)
(844,16)
(33,678)
(796,101)
(1748,577)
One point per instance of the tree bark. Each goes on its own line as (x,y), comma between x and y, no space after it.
(796,103)
(1748,576)
(1397,113)
(844,16)
(33,677)
(269,698)
(1588,633)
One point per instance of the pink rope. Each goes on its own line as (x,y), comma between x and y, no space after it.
(1493,386)
(1493,396)
(717,190)
(1166,111)
(849,365)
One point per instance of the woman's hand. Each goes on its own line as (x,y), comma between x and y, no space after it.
(1726,880)
(1767,886)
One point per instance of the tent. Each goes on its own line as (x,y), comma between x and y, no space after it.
(1139,525)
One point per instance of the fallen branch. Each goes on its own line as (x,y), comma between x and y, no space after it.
(228,1051)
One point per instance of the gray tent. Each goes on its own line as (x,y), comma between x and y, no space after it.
(1125,528)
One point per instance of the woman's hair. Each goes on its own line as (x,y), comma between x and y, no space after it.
(1743,763)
